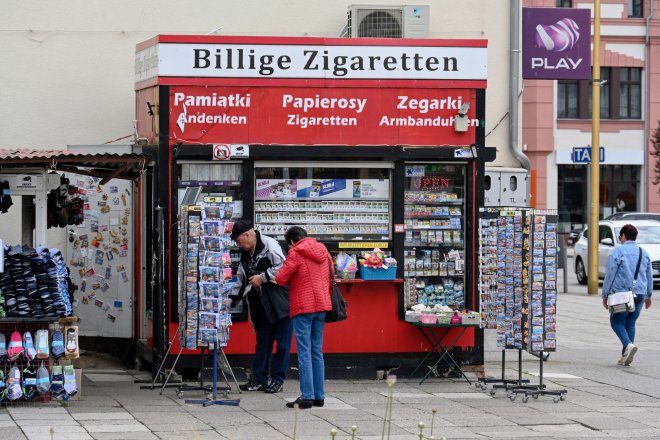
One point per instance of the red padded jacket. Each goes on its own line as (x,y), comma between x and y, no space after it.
(305,270)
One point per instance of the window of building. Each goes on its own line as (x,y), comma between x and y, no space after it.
(620,95)
(630,93)
(568,99)
(635,8)
(564,3)
(619,191)
(605,84)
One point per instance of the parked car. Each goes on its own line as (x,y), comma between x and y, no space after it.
(623,215)
(648,238)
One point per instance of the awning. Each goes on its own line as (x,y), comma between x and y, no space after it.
(105,166)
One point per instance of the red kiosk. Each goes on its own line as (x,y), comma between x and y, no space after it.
(364,142)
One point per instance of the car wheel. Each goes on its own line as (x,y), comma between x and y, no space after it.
(580,272)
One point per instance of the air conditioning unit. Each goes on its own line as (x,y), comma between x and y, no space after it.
(373,21)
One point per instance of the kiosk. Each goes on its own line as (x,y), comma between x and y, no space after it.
(366,143)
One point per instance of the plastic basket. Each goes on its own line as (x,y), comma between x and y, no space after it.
(444,318)
(413,316)
(346,275)
(428,318)
(368,273)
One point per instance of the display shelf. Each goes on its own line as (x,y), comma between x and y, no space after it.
(434,228)
(455,202)
(29,320)
(434,245)
(432,216)
(434,242)
(299,205)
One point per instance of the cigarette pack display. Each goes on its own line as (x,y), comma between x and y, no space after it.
(434,233)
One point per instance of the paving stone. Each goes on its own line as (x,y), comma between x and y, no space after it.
(193,435)
(174,427)
(39,433)
(309,430)
(103,416)
(7,424)
(12,433)
(124,436)
(87,423)
(116,428)
(50,421)
(604,421)
(37,412)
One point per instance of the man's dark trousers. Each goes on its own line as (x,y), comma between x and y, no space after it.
(279,332)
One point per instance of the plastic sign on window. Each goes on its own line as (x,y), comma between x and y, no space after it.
(230,151)
(431,182)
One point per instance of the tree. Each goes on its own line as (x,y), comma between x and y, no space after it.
(655,152)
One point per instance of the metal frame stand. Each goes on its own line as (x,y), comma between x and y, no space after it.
(201,387)
(503,382)
(160,367)
(536,390)
(212,398)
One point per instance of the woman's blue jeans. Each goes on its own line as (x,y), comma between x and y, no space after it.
(623,323)
(309,340)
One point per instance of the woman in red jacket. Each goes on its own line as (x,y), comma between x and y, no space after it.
(307,271)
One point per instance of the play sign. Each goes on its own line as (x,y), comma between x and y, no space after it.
(556,43)
(583,155)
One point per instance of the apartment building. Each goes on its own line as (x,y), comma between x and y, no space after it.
(556,118)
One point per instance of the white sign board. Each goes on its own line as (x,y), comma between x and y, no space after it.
(309,61)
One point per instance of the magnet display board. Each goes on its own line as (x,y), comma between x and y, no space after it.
(100,256)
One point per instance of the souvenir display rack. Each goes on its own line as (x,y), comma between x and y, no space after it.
(205,276)
(518,288)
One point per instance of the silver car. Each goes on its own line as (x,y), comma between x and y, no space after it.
(608,238)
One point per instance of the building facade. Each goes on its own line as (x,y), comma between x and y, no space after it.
(557,118)
(70,67)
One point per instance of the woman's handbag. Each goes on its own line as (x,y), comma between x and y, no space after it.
(338,312)
(620,302)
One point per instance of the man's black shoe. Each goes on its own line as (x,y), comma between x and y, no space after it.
(252,386)
(318,403)
(274,387)
(302,404)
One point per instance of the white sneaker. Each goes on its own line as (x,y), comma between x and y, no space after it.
(629,354)
(621,361)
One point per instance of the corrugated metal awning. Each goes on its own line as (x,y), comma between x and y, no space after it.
(106,166)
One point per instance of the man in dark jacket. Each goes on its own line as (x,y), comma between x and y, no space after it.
(261,258)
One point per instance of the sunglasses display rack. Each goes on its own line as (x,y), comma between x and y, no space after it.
(518,289)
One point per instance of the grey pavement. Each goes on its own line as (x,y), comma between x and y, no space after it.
(603,401)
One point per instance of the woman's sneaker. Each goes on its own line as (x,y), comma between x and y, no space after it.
(250,385)
(629,354)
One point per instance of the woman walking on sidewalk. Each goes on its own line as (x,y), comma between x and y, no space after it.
(619,275)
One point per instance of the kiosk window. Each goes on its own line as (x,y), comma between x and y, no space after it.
(333,202)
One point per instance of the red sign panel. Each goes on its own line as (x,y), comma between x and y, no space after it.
(320,116)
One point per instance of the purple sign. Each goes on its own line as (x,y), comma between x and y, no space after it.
(556,43)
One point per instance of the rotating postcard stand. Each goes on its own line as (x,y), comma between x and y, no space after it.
(518,292)
(204,285)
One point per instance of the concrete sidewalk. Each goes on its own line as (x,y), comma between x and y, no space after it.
(603,401)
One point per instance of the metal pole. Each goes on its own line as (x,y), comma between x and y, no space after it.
(514,91)
(595,159)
